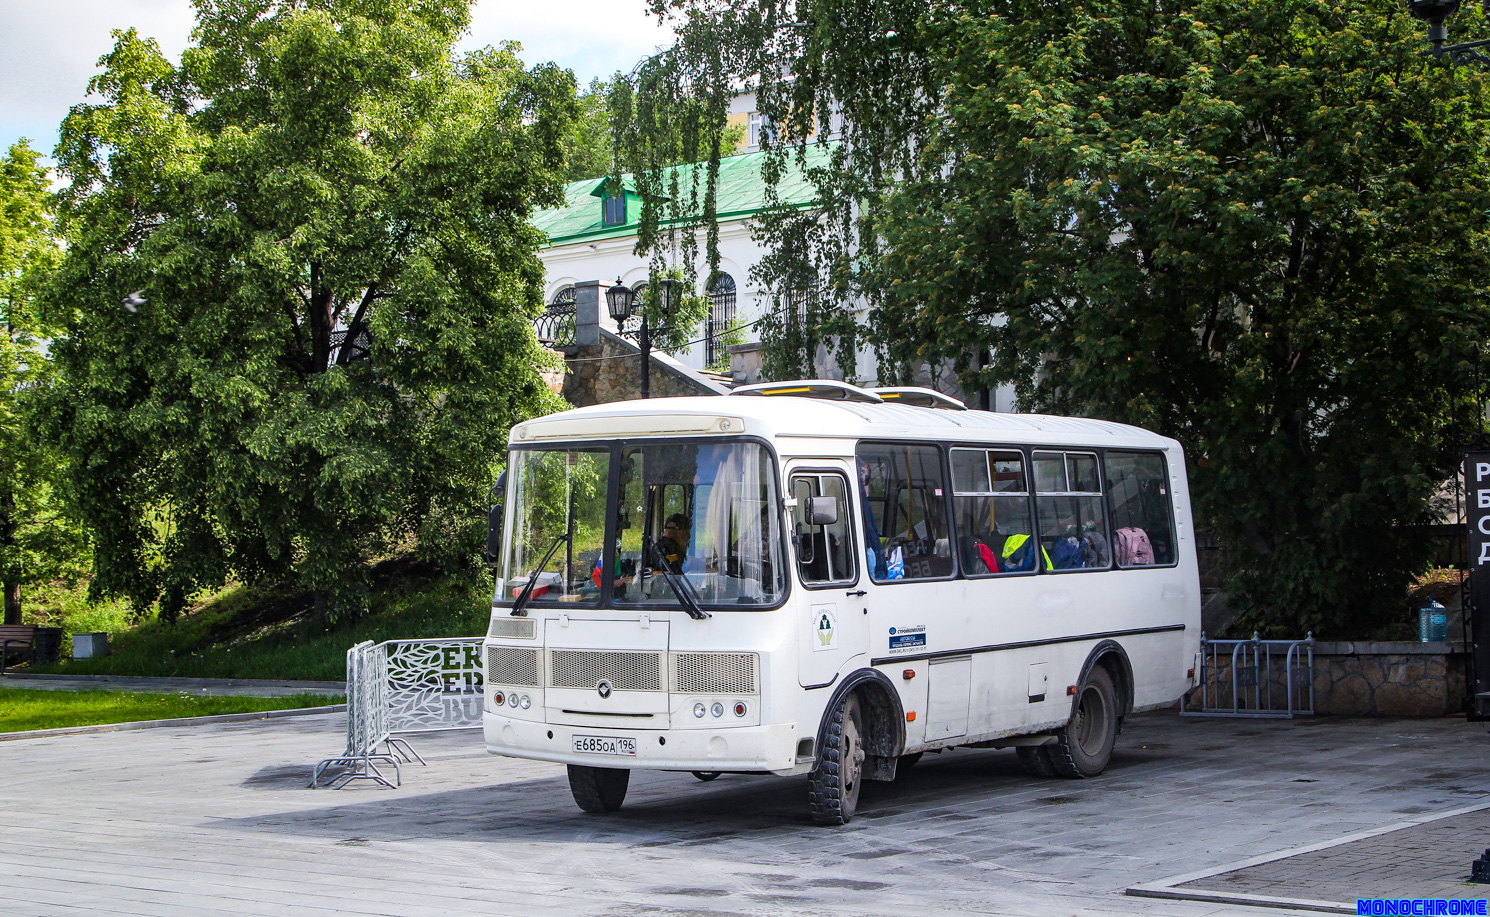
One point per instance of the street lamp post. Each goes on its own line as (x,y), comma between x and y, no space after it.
(622,302)
(1434,12)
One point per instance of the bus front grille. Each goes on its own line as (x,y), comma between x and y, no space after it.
(587,668)
(511,665)
(714,673)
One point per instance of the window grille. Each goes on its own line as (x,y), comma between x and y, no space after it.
(721,317)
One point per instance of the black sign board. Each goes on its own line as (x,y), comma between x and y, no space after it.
(1477,515)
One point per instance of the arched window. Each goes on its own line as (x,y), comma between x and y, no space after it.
(721,317)
(555,327)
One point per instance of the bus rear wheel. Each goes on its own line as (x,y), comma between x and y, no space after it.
(598,789)
(833,787)
(1084,746)
(1035,760)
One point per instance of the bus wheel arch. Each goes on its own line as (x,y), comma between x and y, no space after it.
(1104,694)
(883,720)
(1110,655)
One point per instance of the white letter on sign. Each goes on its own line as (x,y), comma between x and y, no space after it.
(1483,522)
(1484,498)
(1484,555)
(1481,470)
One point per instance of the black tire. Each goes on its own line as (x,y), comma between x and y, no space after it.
(1035,760)
(1083,748)
(833,788)
(706,776)
(598,789)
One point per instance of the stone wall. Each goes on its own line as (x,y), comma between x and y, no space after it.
(1389,679)
(610,370)
(1361,679)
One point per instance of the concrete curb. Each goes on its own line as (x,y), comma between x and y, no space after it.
(179,721)
(1168,888)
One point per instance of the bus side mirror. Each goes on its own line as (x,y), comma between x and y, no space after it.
(821,511)
(494,519)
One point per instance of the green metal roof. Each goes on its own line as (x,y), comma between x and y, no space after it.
(741,193)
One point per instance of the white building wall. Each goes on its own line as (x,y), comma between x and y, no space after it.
(607,260)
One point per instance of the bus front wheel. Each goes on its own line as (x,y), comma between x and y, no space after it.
(833,787)
(598,789)
(1084,747)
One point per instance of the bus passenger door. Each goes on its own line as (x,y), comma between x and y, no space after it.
(834,628)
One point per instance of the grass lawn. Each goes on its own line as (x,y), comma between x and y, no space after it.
(239,634)
(22,709)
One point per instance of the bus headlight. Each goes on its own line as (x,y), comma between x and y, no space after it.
(698,710)
(497,699)
(526,702)
(512,700)
(718,709)
(739,708)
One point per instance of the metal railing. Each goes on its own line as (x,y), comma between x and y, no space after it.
(1269,679)
(402,686)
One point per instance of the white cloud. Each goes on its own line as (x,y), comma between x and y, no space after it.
(50,48)
(591,37)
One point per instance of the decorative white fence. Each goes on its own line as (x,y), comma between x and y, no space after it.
(402,686)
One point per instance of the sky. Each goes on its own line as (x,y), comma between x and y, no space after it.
(50,48)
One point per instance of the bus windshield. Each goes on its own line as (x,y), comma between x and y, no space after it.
(692,517)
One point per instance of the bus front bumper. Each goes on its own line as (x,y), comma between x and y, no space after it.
(741,748)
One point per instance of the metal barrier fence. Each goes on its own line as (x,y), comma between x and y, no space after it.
(402,686)
(1251,678)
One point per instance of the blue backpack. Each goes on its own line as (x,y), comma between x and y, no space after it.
(1066,554)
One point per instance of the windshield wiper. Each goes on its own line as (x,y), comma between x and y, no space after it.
(680,586)
(518,611)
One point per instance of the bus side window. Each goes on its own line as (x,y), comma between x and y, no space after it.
(991,507)
(1138,491)
(1069,511)
(825,553)
(906,532)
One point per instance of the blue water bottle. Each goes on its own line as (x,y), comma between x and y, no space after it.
(1433,622)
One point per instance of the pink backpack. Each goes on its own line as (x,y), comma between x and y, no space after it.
(1133,548)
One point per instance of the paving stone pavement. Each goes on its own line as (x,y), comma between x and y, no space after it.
(216,820)
(1407,863)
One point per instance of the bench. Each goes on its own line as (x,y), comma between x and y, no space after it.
(21,637)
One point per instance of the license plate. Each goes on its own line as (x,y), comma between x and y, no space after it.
(605,745)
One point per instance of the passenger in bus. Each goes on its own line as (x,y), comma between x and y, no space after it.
(874,547)
(672,546)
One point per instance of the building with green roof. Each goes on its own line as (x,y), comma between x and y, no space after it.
(593,237)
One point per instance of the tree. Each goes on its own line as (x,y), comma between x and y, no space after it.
(327,216)
(39,541)
(589,142)
(1257,227)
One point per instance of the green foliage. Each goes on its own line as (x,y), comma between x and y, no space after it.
(1257,227)
(22,710)
(242,633)
(310,169)
(39,541)
(588,144)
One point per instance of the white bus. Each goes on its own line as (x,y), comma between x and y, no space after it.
(812,578)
